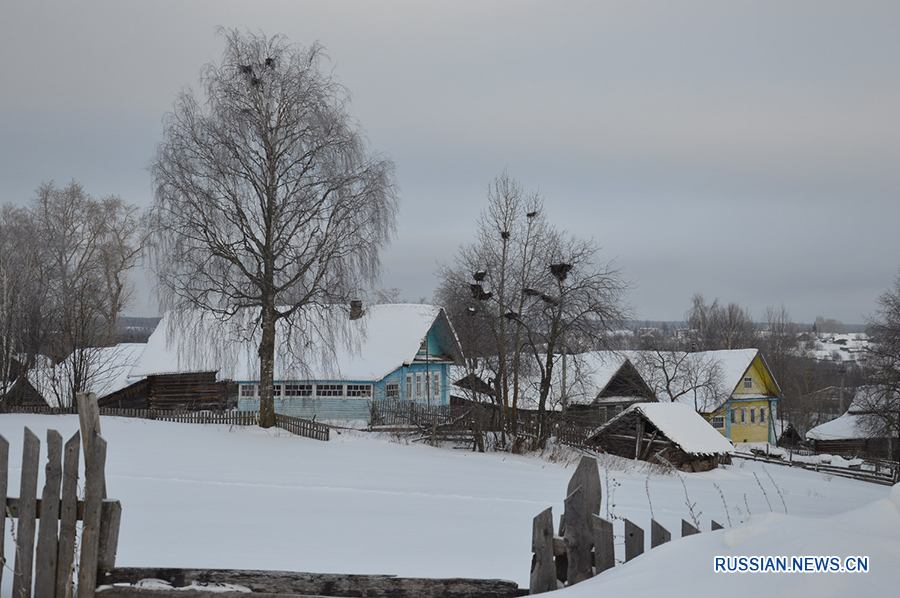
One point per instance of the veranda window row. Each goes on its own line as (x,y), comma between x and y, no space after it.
(290,390)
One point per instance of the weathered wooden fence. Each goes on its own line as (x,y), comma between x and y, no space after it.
(886,473)
(300,427)
(585,544)
(47,566)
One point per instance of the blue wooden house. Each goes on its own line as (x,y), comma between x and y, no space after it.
(397,351)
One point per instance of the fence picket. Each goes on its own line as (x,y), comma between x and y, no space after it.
(578,537)
(634,541)
(604,544)
(47,544)
(68,516)
(31,451)
(94,465)
(658,534)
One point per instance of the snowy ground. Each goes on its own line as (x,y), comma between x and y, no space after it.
(220,497)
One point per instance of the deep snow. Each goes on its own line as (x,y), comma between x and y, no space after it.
(229,497)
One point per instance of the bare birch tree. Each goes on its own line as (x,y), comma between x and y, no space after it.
(266,197)
(524,294)
(64,277)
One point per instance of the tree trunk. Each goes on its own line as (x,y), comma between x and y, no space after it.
(267,367)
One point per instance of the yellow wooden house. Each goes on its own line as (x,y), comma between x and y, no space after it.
(734,390)
(747,403)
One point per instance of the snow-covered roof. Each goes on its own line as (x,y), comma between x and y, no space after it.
(586,376)
(846,427)
(369,348)
(851,425)
(108,369)
(702,379)
(682,425)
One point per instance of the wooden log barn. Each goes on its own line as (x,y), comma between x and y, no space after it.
(663,433)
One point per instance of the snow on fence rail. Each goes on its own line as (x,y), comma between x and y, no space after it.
(300,427)
(48,567)
(888,477)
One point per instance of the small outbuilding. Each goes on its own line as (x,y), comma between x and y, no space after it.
(664,433)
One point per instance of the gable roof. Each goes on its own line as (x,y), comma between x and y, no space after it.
(591,378)
(704,380)
(109,371)
(679,423)
(366,349)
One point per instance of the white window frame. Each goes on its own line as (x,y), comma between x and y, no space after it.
(718,422)
(329,391)
(409,387)
(295,390)
(249,391)
(748,382)
(733,416)
(762,415)
(435,385)
(743,416)
(392,390)
(419,385)
(753,416)
(359,391)
(277,390)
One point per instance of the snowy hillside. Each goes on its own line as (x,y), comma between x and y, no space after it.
(214,496)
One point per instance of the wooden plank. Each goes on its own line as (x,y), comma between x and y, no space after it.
(604,545)
(315,584)
(658,534)
(31,452)
(94,465)
(47,544)
(4,485)
(110,518)
(543,571)
(634,541)
(714,525)
(687,529)
(587,476)
(579,538)
(89,418)
(68,515)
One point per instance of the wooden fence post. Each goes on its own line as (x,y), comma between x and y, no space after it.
(94,465)
(579,539)
(48,545)
(31,452)
(634,541)
(110,519)
(543,571)
(4,484)
(658,534)
(68,516)
(687,529)
(89,418)
(604,545)
(587,476)
(714,525)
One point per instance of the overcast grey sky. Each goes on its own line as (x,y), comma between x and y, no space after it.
(746,150)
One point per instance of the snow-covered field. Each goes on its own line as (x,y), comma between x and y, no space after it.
(220,497)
